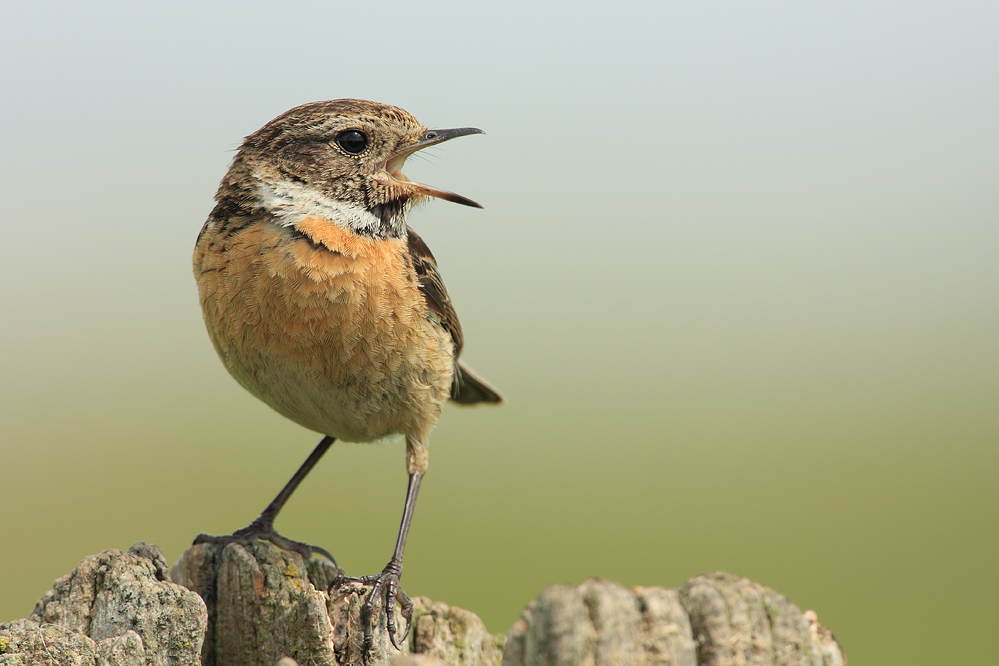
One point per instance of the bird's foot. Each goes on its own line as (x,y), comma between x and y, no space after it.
(385,591)
(265,531)
(262,530)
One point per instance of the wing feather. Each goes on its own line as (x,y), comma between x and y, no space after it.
(432,286)
(467,388)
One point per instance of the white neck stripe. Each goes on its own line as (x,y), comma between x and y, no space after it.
(291,202)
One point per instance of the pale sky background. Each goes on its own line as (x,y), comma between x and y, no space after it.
(737,274)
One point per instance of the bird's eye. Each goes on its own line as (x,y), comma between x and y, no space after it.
(353,142)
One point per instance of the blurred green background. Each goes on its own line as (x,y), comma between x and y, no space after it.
(738,276)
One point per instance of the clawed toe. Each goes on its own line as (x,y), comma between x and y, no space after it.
(256,531)
(385,591)
(263,532)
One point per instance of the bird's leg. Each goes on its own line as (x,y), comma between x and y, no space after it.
(263,526)
(385,586)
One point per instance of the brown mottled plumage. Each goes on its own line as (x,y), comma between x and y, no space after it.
(324,304)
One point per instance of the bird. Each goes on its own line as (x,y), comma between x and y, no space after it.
(322,302)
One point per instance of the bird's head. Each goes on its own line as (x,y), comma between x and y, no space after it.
(341,160)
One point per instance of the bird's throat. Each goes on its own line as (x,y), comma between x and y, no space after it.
(290,202)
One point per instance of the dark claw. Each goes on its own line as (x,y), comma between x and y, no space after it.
(325,553)
(407,612)
(384,586)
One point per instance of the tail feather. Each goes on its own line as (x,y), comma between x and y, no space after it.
(470,389)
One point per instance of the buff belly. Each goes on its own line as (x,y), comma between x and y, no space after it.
(327,328)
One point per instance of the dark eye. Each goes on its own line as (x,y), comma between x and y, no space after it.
(353,142)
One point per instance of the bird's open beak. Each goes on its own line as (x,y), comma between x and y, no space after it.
(393,166)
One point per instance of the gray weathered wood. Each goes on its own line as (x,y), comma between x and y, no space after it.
(269,606)
(114,609)
(600,623)
(715,620)
(264,607)
(737,621)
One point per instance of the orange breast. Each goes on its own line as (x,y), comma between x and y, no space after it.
(330,330)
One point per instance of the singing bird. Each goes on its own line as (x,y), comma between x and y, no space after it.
(324,304)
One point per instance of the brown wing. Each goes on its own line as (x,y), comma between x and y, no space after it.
(433,288)
(467,388)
